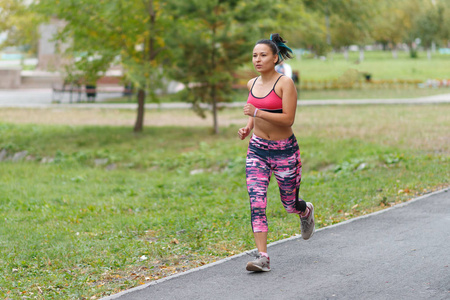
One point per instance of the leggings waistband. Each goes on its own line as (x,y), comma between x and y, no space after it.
(261,143)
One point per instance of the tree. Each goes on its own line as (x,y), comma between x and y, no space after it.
(312,34)
(20,24)
(445,32)
(428,26)
(390,25)
(347,21)
(411,9)
(344,34)
(212,39)
(301,27)
(128,32)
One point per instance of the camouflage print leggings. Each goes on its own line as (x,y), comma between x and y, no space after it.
(283,159)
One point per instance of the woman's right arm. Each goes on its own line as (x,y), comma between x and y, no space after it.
(245,131)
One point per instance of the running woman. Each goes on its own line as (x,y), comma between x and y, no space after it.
(271,106)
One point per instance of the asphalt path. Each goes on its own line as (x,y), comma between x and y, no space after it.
(399,253)
(42,98)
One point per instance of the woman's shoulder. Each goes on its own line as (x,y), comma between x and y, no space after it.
(285,86)
(285,82)
(250,82)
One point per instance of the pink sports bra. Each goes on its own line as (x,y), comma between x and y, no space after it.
(271,102)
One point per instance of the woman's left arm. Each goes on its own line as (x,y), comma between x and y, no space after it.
(289,97)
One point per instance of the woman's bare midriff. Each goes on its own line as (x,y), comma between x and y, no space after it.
(268,131)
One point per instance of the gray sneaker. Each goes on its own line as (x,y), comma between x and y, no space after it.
(260,264)
(307,224)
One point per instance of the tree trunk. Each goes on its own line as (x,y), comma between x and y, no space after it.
(412,50)
(213,88)
(346,53)
(139,125)
(149,54)
(361,54)
(394,52)
(327,25)
(214,108)
(428,53)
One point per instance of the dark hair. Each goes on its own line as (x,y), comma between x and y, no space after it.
(278,46)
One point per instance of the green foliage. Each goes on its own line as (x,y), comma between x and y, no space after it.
(104,30)
(213,38)
(21,24)
(407,20)
(428,25)
(343,22)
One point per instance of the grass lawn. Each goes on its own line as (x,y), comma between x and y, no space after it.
(378,63)
(95,209)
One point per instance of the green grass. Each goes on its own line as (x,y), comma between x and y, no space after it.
(380,64)
(74,229)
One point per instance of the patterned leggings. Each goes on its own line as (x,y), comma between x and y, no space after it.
(283,158)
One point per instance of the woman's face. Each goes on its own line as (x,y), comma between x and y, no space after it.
(263,58)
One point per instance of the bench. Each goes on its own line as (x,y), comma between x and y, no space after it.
(78,91)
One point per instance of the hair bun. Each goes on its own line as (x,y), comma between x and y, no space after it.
(276,38)
(278,47)
(284,52)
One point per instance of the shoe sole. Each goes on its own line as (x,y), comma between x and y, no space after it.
(312,233)
(253,268)
(314,229)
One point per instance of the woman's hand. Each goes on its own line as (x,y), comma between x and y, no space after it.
(244,132)
(249,110)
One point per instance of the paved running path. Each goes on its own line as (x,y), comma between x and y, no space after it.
(42,98)
(399,253)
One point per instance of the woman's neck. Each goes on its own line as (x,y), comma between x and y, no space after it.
(268,76)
